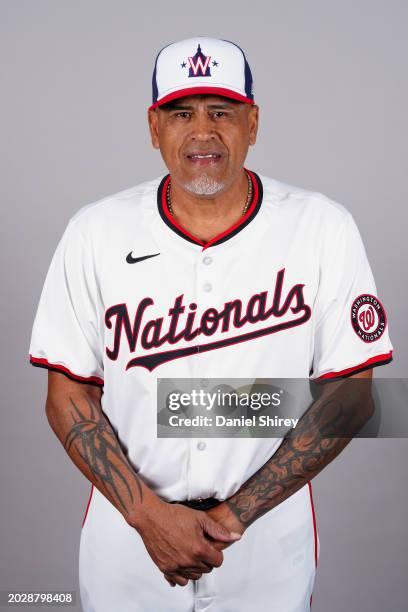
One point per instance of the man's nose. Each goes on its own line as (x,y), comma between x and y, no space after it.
(202,127)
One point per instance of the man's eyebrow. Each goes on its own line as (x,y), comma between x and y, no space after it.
(222,105)
(172,106)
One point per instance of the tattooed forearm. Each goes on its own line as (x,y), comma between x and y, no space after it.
(300,457)
(94,440)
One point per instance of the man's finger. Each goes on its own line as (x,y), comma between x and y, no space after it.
(219,532)
(192,575)
(170,581)
(177,579)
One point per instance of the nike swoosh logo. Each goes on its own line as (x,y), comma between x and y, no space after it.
(132,260)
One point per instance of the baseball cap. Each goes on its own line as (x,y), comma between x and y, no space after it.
(201,65)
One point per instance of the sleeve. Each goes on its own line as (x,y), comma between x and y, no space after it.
(351,330)
(66,334)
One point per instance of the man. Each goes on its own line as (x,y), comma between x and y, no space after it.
(209,272)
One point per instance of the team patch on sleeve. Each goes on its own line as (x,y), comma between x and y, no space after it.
(368,317)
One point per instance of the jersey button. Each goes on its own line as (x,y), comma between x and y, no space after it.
(201,445)
(207,287)
(207,260)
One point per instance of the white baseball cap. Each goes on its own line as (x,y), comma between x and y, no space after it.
(201,65)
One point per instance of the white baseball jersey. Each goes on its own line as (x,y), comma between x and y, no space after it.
(130,296)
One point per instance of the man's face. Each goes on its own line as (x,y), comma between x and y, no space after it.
(204,140)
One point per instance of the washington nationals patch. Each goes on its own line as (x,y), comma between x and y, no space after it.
(368,317)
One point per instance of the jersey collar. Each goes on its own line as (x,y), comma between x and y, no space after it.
(253,209)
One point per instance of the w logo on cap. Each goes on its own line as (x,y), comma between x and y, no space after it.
(199,64)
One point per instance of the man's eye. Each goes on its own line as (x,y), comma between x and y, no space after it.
(183,114)
(219,114)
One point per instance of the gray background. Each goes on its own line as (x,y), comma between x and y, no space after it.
(75,85)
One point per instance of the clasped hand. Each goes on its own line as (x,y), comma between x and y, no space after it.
(186,543)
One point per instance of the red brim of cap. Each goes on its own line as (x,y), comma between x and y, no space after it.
(211,91)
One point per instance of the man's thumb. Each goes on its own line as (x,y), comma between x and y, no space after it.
(219,532)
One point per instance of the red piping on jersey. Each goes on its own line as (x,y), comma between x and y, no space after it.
(44,363)
(87,506)
(315,532)
(192,91)
(230,230)
(373,361)
(314,523)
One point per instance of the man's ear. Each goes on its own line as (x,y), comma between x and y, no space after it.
(253,122)
(153,119)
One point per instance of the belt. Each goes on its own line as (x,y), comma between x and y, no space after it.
(199,504)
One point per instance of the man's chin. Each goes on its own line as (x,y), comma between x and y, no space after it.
(204,185)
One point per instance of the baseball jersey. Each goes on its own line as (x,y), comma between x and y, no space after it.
(130,296)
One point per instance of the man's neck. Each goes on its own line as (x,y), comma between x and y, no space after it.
(207,216)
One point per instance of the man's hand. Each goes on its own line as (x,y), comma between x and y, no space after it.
(223,516)
(180,540)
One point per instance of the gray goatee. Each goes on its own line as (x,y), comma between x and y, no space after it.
(204,185)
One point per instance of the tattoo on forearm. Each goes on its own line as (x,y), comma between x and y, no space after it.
(94,440)
(297,460)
